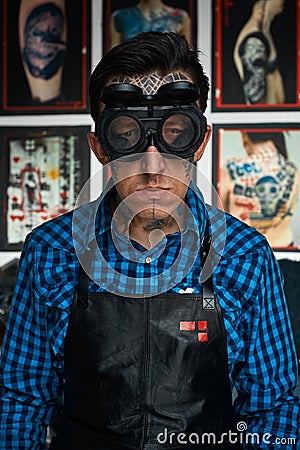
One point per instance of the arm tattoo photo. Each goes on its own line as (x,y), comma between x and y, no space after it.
(44,49)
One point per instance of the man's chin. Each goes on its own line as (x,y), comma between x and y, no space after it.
(152,214)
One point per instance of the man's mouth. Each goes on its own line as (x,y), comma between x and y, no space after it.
(153,193)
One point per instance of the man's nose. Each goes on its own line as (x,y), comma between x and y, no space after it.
(153,161)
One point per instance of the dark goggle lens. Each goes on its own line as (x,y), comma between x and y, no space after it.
(178,131)
(123,133)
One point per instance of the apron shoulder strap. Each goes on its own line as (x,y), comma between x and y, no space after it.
(83,282)
(206,259)
(84,279)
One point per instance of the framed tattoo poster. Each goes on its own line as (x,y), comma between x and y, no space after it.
(256,175)
(255,55)
(123,19)
(44,170)
(45,56)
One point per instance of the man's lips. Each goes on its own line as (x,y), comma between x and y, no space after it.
(153,193)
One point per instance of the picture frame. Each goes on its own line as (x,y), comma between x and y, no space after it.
(44,169)
(111,6)
(252,72)
(257,180)
(42,74)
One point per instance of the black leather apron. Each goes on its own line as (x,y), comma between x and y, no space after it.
(145,373)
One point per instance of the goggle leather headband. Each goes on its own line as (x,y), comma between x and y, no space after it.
(151,115)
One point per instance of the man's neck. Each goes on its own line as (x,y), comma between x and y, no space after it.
(149,233)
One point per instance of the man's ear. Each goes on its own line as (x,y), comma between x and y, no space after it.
(97,149)
(200,151)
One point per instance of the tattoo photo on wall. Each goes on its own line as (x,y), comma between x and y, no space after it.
(45,56)
(256,174)
(255,55)
(123,20)
(44,170)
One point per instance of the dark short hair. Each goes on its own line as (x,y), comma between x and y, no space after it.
(148,52)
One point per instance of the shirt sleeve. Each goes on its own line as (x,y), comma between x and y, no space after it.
(29,383)
(265,381)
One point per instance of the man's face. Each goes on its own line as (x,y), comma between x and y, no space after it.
(153,185)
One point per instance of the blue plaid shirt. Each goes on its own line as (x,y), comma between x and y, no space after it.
(247,281)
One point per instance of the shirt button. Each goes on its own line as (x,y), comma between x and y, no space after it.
(148,260)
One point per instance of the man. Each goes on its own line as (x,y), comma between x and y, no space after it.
(146,355)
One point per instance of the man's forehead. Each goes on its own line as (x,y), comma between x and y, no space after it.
(150,83)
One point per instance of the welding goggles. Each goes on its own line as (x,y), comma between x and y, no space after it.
(169,120)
